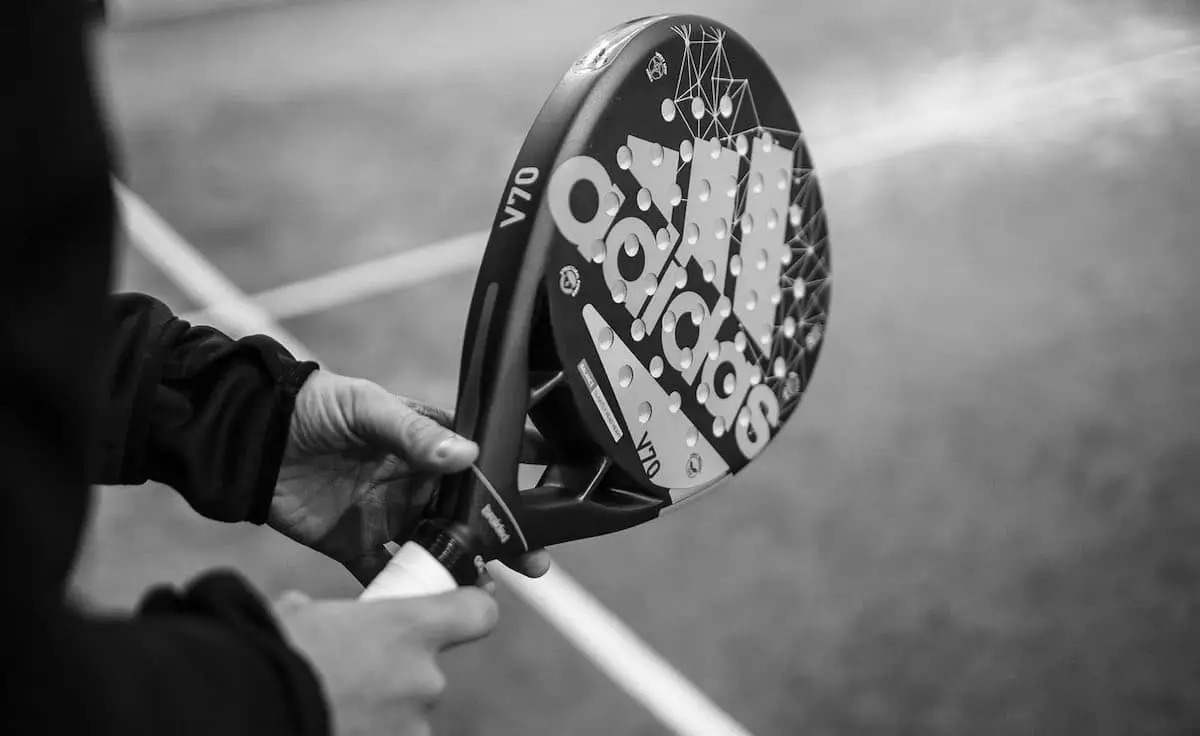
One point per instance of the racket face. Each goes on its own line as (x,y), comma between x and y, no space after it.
(689,280)
(654,293)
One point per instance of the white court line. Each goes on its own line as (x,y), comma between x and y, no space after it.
(901,136)
(413,266)
(370,278)
(601,636)
(620,654)
(224,303)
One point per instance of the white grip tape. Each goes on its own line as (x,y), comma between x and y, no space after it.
(412,573)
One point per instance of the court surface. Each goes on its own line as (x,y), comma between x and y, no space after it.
(984,520)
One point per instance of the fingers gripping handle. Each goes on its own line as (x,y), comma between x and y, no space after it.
(411,573)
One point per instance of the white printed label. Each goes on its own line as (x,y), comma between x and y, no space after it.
(610,419)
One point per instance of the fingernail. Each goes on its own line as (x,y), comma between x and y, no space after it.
(446,447)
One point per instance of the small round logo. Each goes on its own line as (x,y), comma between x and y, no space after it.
(568,280)
(656,68)
(693,465)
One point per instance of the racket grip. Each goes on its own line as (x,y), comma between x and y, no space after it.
(411,573)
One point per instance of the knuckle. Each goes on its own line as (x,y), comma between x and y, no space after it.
(479,612)
(410,422)
(430,685)
(424,433)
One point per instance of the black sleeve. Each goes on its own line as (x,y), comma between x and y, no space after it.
(200,661)
(189,407)
(206,660)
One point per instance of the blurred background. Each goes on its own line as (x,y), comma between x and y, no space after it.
(985,518)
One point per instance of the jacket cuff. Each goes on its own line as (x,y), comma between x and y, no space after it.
(289,375)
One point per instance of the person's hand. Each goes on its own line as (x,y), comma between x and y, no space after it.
(377,661)
(360,466)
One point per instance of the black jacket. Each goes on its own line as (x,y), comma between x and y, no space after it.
(103,389)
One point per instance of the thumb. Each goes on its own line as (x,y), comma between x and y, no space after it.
(290,602)
(387,419)
(457,617)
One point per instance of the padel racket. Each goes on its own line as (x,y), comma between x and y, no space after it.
(653,296)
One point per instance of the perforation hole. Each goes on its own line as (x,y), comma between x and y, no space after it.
(644,412)
(656,154)
(789,327)
(724,307)
(611,203)
(624,158)
(637,330)
(668,321)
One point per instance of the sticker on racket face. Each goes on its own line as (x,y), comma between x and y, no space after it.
(689,282)
(654,294)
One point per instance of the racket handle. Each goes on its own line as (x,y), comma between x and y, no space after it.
(411,573)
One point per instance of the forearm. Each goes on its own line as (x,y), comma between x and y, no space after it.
(192,408)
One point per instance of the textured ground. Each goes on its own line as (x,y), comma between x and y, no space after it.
(985,519)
